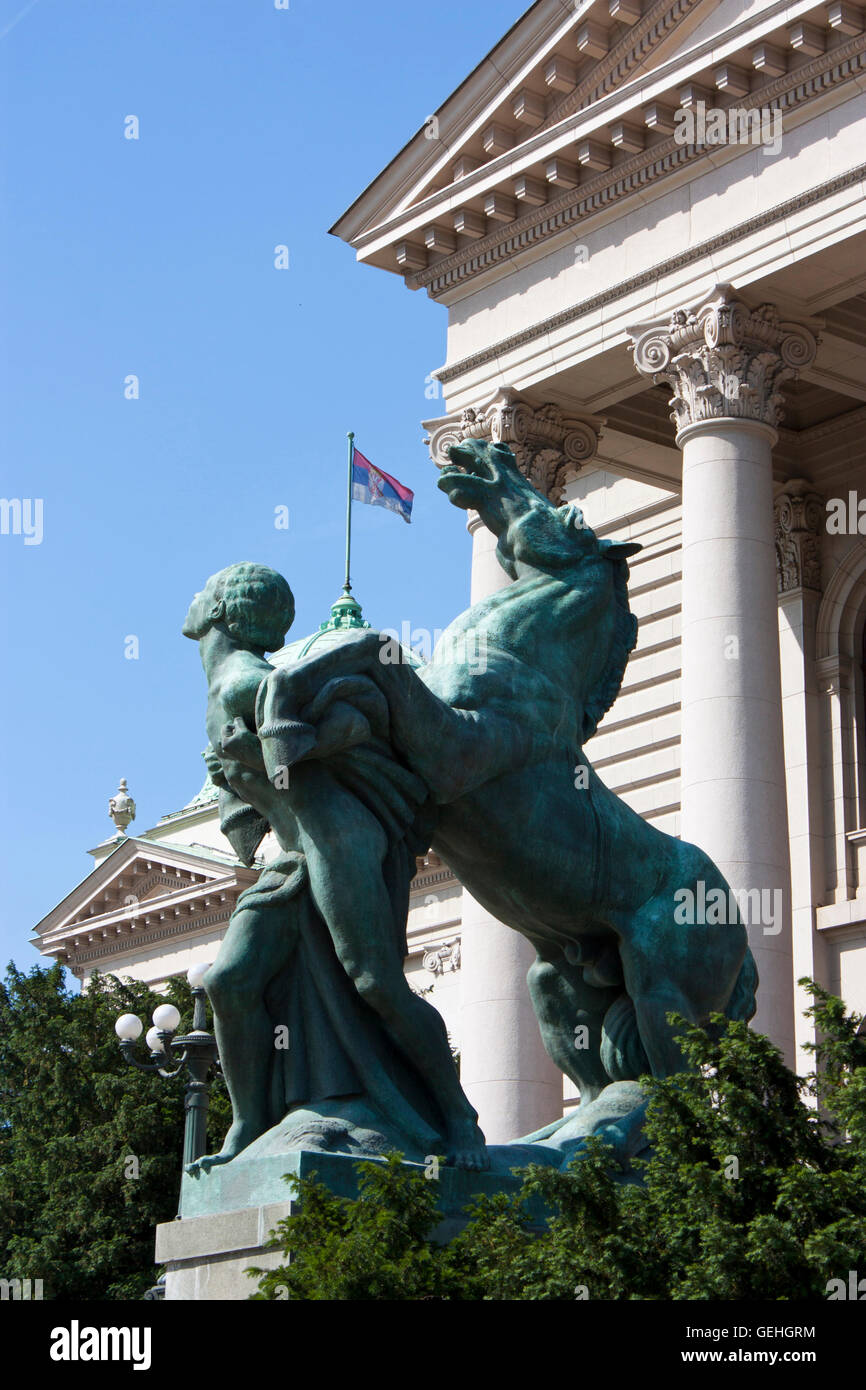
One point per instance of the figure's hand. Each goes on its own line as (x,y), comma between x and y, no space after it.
(214,768)
(289,688)
(239,743)
(360,692)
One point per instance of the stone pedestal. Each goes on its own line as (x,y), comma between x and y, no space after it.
(206,1256)
(229,1213)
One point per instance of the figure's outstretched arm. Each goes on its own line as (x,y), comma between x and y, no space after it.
(453,750)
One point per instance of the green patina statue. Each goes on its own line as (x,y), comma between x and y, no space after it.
(495,726)
(355,756)
(314,953)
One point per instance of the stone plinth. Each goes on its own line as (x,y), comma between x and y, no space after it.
(228,1214)
(205,1256)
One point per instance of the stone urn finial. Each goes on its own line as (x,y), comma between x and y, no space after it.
(121,807)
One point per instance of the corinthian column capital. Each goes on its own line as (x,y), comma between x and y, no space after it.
(549,446)
(724,360)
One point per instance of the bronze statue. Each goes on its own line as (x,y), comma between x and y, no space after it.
(350,823)
(359,761)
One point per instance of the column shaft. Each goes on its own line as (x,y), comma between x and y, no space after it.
(725,363)
(733,766)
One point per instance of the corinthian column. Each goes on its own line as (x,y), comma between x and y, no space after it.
(505,1071)
(725,364)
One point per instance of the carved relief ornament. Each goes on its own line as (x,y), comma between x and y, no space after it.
(724,360)
(549,446)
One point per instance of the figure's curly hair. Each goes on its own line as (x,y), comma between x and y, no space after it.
(260,606)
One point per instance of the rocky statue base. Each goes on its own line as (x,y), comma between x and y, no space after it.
(228,1211)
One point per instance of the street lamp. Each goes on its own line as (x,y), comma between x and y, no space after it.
(198,1053)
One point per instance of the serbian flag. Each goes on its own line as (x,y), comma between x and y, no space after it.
(370,484)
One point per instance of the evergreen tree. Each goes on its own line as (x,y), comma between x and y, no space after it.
(90,1147)
(752,1192)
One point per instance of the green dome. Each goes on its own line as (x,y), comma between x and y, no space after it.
(346,616)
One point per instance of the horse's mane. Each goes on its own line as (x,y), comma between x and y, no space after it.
(623,641)
(624,636)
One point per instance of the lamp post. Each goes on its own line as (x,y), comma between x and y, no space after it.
(197,1051)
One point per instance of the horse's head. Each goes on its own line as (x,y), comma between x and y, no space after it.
(532,532)
(484,477)
(535,538)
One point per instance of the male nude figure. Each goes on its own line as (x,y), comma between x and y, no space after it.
(241,613)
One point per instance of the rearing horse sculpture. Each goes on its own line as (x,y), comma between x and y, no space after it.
(496,724)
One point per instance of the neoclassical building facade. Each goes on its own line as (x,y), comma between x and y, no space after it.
(646,219)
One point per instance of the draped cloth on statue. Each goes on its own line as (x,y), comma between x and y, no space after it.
(337,1048)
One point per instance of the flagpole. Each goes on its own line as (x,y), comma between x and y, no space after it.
(347,587)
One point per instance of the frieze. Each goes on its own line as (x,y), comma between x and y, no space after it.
(655,273)
(632,48)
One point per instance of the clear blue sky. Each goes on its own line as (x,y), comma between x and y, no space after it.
(154,257)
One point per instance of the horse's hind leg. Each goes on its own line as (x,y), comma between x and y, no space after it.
(663,972)
(688,968)
(671,968)
(570,1014)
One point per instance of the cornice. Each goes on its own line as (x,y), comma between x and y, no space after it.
(653,274)
(592,97)
(851,419)
(135,908)
(468,105)
(442,877)
(189,926)
(841,65)
(116,886)
(631,50)
(650,30)
(134,858)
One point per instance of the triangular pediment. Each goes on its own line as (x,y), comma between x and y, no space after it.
(157,884)
(587,55)
(577,108)
(139,877)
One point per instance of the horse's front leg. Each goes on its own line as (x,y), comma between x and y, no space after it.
(293,719)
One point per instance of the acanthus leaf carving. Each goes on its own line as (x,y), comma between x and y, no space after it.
(549,446)
(724,360)
(798,514)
